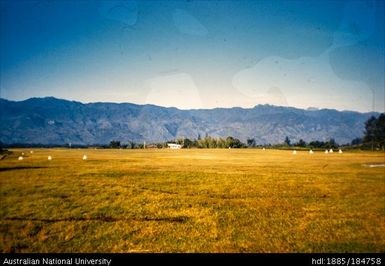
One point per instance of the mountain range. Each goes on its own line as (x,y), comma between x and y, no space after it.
(55,121)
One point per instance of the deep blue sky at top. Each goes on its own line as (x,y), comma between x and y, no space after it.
(195,54)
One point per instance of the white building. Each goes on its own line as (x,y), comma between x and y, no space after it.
(174,146)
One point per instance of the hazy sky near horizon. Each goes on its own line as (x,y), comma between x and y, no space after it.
(196,54)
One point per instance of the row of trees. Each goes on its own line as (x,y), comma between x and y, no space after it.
(330,144)
(210,142)
(116,144)
(206,142)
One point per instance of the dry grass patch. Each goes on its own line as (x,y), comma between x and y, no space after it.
(191,201)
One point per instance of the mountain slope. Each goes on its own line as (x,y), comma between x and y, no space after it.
(54,121)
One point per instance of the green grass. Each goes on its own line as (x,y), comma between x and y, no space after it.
(244,200)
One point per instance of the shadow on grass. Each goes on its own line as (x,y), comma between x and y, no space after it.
(159,191)
(178,219)
(3,169)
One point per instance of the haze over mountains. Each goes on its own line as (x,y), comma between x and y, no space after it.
(55,121)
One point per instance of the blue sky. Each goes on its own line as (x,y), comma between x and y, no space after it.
(196,54)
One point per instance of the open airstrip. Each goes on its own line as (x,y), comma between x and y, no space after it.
(198,200)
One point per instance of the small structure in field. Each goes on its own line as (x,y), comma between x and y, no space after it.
(49,158)
(331,151)
(340,151)
(22,154)
(311,151)
(174,146)
(294,152)
(84,157)
(263,149)
(31,152)
(20,158)
(326,151)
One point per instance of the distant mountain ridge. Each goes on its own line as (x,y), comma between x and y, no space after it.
(54,121)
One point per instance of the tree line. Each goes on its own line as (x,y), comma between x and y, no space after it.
(315,144)
(207,142)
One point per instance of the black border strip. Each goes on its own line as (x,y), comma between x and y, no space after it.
(308,259)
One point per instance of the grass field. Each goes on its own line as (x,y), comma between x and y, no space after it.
(245,200)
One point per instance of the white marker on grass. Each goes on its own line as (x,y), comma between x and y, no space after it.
(331,150)
(340,151)
(311,152)
(326,151)
(294,152)
(20,158)
(49,158)
(84,157)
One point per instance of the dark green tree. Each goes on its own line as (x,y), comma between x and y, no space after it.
(380,131)
(251,142)
(233,143)
(287,141)
(370,128)
(331,144)
(316,144)
(187,143)
(374,134)
(301,143)
(356,141)
(115,144)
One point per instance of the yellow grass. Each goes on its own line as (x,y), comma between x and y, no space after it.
(245,200)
